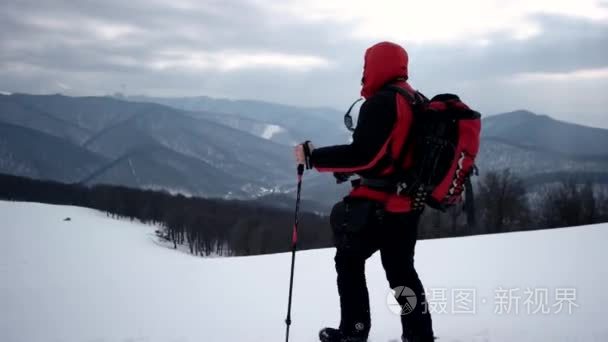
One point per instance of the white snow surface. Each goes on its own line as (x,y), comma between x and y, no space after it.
(99,279)
(270,130)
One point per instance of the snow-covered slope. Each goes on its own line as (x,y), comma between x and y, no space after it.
(98,279)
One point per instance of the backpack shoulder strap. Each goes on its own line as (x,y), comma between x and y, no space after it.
(415,99)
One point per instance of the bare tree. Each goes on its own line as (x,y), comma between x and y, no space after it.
(569,204)
(503,203)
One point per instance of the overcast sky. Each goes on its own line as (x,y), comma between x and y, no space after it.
(548,56)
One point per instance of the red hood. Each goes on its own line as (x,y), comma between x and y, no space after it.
(384,62)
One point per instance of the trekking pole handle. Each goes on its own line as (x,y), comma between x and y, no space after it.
(307,153)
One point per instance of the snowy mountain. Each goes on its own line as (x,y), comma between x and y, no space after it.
(541,149)
(218,148)
(93,278)
(322,125)
(269,131)
(31,153)
(157,167)
(497,154)
(166,148)
(232,151)
(21,110)
(542,132)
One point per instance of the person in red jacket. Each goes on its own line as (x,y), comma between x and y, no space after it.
(373,217)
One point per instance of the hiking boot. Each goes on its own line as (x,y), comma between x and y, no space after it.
(417,339)
(335,335)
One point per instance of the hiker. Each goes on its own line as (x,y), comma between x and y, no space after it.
(373,216)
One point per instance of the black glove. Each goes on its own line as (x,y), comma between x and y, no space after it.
(307,154)
(342,177)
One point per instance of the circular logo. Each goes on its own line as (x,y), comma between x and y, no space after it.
(401,300)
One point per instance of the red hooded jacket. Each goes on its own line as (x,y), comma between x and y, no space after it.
(383,125)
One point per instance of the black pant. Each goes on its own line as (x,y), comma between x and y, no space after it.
(361,229)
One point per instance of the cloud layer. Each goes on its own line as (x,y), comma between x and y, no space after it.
(547,56)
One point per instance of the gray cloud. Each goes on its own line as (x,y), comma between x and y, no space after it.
(96,47)
(566,44)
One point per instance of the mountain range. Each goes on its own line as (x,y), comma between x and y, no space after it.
(242,149)
(542,149)
(135,144)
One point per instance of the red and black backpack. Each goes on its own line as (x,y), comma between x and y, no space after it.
(441,147)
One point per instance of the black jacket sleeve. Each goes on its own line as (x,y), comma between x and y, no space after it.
(370,143)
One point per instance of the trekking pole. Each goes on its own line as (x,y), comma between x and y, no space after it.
(294,243)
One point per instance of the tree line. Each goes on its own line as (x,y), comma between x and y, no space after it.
(205,226)
(502,203)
